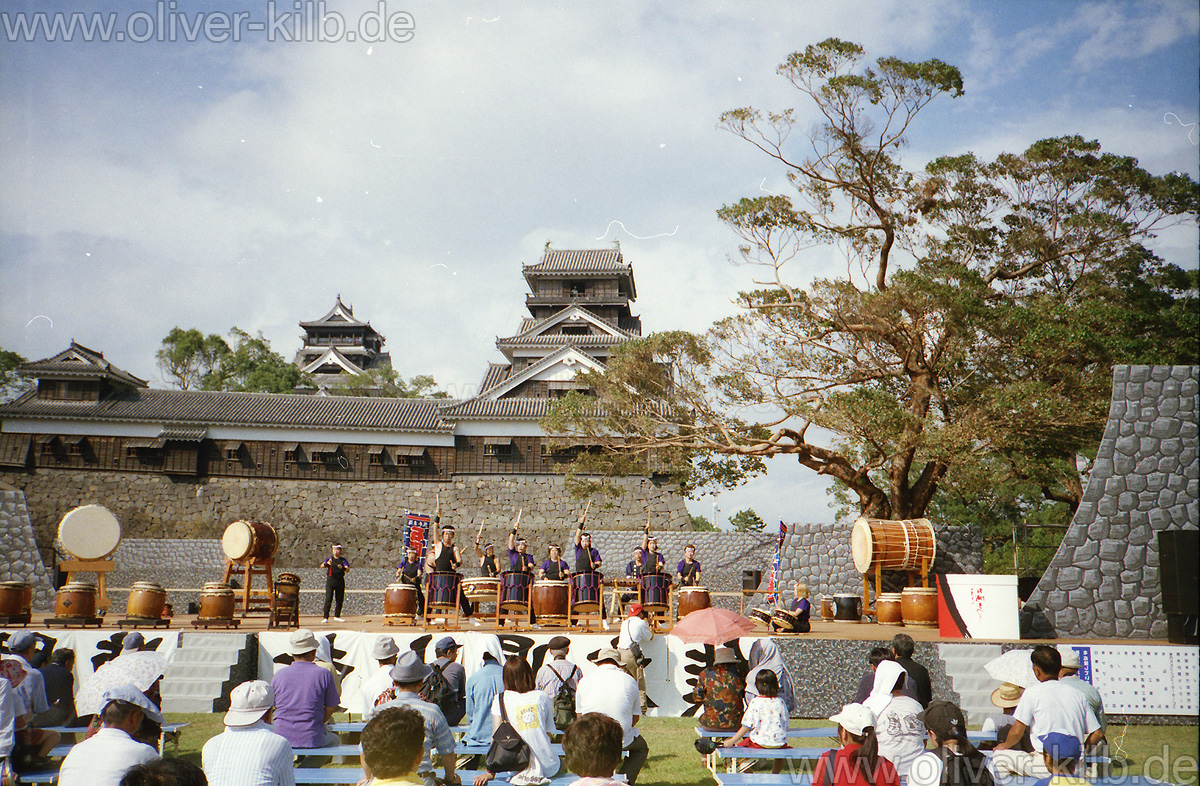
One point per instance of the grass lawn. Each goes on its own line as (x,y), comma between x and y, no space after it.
(1163,752)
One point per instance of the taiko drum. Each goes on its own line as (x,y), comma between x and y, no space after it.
(245,540)
(760,618)
(827,608)
(216,601)
(481,589)
(693,599)
(887,609)
(287,584)
(12,598)
(76,599)
(146,601)
(918,606)
(550,599)
(400,600)
(892,544)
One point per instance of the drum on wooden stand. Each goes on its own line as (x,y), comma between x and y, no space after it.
(146,601)
(400,600)
(585,592)
(90,532)
(887,609)
(287,584)
(918,606)
(12,598)
(482,589)
(656,591)
(514,590)
(846,608)
(550,599)
(902,544)
(216,601)
(693,599)
(760,617)
(249,540)
(827,608)
(786,621)
(76,599)
(443,590)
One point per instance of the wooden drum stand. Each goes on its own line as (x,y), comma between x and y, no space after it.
(252,599)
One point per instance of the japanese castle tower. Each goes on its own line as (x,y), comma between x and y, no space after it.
(337,344)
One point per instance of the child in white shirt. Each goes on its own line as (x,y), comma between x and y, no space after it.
(765,720)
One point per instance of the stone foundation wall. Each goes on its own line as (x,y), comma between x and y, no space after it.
(309,515)
(22,561)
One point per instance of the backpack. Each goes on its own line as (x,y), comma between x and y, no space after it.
(436,689)
(508,752)
(564,700)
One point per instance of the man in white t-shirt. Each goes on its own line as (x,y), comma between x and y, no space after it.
(1048,706)
(249,752)
(635,634)
(610,691)
(102,759)
(898,728)
(384,651)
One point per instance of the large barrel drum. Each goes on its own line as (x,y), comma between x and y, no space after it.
(216,601)
(12,598)
(551,599)
(892,545)
(244,540)
(146,601)
(918,606)
(887,609)
(90,532)
(400,600)
(76,599)
(693,599)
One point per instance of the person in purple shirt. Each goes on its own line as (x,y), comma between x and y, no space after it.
(305,697)
(518,557)
(587,557)
(652,560)
(555,568)
(687,572)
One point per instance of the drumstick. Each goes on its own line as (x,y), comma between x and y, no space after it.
(583,516)
(478,534)
(437,510)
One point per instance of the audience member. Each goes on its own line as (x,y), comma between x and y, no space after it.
(900,732)
(409,675)
(1005,698)
(165,772)
(766,719)
(1047,706)
(721,689)
(34,744)
(482,688)
(635,632)
(133,641)
(10,714)
(557,670)
(249,752)
(764,654)
(1061,754)
(456,677)
(102,759)
(1069,676)
(902,651)
(592,745)
(874,658)
(529,711)
(857,762)
(393,746)
(59,678)
(954,761)
(324,659)
(610,690)
(305,696)
(378,688)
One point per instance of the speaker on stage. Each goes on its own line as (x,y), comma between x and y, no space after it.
(1179,574)
(751,579)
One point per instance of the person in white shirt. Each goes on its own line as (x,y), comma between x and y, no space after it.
(1048,706)
(249,752)
(635,634)
(32,690)
(103,758)
(1068,675)
(898,728)
(558,671)
(384,651)
(610,691)
(765,720)
(10,708)
(529,712)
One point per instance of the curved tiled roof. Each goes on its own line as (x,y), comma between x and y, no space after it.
(505,408)
(579,261)
(206,407)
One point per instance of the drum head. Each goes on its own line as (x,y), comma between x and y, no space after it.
(238,540)
(90,532)
(862,545)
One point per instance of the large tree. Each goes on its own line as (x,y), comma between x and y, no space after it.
(11,383)
(190,360)
(969,343)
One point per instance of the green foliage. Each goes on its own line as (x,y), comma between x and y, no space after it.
(189,360)
(386,382)
(702,524)
(11,383)
(747,521)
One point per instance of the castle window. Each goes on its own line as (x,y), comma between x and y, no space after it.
(500,447)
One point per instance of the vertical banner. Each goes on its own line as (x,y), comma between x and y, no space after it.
(416,532)
(773,580)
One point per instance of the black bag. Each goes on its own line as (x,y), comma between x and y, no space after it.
(564,700)
(508,753)
(436,689)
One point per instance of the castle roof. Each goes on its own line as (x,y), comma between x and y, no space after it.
(79,362)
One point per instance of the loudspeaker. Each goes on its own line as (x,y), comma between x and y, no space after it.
(751,579)
(1179,574)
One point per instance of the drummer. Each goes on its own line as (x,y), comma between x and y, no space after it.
(445,557)
(652,560)
(687,572)
(587,556)
(519,558)
(487,560)
(554,568)
(409,572)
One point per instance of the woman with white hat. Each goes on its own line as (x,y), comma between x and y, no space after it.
(857,762)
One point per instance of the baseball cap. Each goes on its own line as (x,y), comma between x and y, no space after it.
(1069,655)
(301,641)
(132,641)
(21,641)
(130,694)
(445,644)
(943,719)
(854,718)
(634,609)
(384,648)
(1061,746)
(248,702)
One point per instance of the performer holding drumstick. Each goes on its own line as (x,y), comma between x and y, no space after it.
(519,558)
(587,559)
(445,557)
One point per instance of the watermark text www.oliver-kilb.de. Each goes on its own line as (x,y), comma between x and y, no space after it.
(165,21)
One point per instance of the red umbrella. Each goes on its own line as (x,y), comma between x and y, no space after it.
(712,626)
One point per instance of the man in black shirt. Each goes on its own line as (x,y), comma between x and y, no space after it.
(902,649)
(336,567)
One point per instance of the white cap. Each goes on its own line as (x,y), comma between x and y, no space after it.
(131,695)
(854,718)
(302,641)
(1069,655)
(248,702)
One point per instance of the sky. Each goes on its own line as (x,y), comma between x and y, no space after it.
(155,182)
